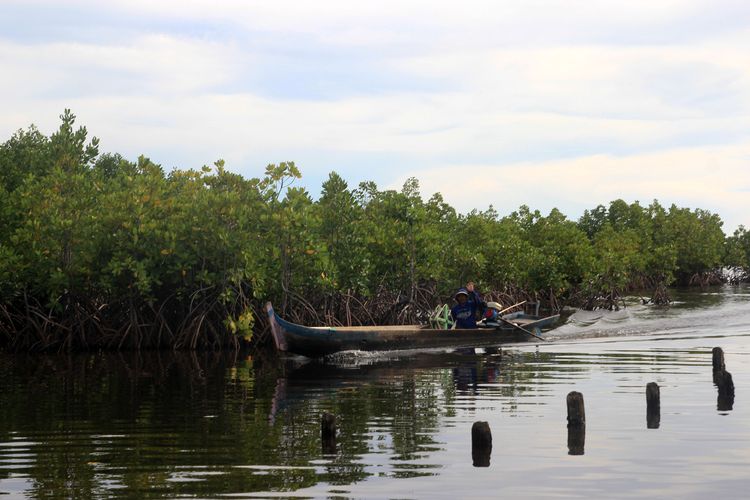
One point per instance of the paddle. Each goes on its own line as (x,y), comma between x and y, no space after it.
(511,307)
(524,330)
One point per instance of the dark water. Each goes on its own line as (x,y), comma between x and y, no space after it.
(207,426)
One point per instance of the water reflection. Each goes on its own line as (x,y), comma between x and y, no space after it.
(328,433)
(653,417)
(189,424)
(725,387)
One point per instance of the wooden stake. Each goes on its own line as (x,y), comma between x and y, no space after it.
(576,412)
(481,444)
(718,359)
(576,423)
(653,406)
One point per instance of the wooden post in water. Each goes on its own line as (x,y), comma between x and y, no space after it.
(481,444)
(328,433)
(718,359)
(576,423)
(576,412)
(653,406)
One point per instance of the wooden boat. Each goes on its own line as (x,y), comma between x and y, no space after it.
(316,341)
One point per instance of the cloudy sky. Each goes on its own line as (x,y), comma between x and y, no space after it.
(565,104)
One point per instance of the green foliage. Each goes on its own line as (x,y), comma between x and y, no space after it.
(25,154)
(698,238)
(678,243)
(242,325)
(737,249)
(562,256)
(342,236)
(68,148)
(618,257)
(56,227)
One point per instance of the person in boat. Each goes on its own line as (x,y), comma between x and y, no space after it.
(487,314)
(464,313)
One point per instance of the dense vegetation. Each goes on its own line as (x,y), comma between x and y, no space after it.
(100,252)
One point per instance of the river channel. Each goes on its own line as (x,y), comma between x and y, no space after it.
(164,425)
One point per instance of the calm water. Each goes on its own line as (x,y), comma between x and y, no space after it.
(210,426)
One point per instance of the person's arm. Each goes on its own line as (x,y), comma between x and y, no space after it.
(479,305)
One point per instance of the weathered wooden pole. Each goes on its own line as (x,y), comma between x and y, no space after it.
(576,423)
(718,359)
(328,433)
(653,406)
(576,412)
(481,444)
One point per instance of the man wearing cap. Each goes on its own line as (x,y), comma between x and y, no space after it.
(465,311)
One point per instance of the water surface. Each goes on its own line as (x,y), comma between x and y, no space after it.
(210,425)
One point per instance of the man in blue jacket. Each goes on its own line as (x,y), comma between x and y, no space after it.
(465,311)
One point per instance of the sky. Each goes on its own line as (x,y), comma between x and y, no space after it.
(553,104)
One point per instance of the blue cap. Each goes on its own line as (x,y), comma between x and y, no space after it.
(461,291)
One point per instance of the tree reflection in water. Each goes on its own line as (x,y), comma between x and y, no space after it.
(200,424)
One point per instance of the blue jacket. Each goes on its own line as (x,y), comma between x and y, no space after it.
(465,314)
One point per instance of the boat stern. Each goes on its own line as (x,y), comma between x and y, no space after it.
(278,335)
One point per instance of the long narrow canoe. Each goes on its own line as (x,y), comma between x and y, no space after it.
(316,341)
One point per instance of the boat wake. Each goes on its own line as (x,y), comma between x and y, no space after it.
(355,359)
(636,319)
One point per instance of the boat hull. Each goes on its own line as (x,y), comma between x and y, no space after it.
(320,341)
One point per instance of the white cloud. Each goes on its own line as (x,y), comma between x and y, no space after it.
(150,64)
(644,81)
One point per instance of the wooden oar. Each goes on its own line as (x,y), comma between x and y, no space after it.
(511,307)
(524,330)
